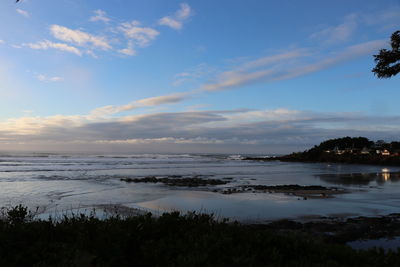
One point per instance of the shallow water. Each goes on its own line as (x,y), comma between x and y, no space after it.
(384,243)
(58,182)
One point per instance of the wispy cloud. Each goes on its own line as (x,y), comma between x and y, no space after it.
(252,71)
(23,12)
(46,44)
(287,66)
(167,99)
(337,34)
(45,78)
(228,80)
(78,37)
(100,15)
(141,36)
(145,102)
(343,32)
(278,58)
(384,17)
(194,74)
(176,21)
(2,41)
(349,53)
(91,53)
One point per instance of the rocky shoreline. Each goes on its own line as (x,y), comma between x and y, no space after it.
(176,180)
(308,191)
(339,230)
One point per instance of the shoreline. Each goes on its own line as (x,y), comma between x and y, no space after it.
(333,229)
(289,158)
(191,239)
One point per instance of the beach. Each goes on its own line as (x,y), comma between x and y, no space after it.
(82,182)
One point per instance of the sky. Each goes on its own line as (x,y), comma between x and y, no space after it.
(205,76)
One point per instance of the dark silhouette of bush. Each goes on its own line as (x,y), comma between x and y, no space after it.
(170,240)
(18,214)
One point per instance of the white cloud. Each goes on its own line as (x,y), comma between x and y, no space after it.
(34,125)
(46,44)
(184,12)
(176,21)
(45,78)
(23,13)
(100,15)
(129,50)
(141,36)
(170,22)
(282,127)
(78,37)
(2,41)
(132,33)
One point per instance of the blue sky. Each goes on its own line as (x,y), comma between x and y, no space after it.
(195,76)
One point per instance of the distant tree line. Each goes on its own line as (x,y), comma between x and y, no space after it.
(355,143)
(358,150)
(343,143)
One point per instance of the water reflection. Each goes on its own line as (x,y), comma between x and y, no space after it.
(386,244)
(361,178)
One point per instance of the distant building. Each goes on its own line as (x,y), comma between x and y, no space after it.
(365,151)
(337,151)
(385,152)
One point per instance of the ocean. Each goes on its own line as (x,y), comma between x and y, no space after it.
(57,183)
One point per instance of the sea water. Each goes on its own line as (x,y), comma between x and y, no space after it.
(57,182)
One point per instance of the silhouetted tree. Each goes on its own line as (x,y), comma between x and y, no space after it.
(388,61)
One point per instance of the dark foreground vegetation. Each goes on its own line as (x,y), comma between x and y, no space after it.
(176,240)
(359,150)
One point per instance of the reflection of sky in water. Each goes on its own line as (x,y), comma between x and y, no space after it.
(70,181)
(249,206)
(385,243)
(379,178)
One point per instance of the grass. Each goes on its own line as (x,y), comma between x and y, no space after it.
(169,240)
